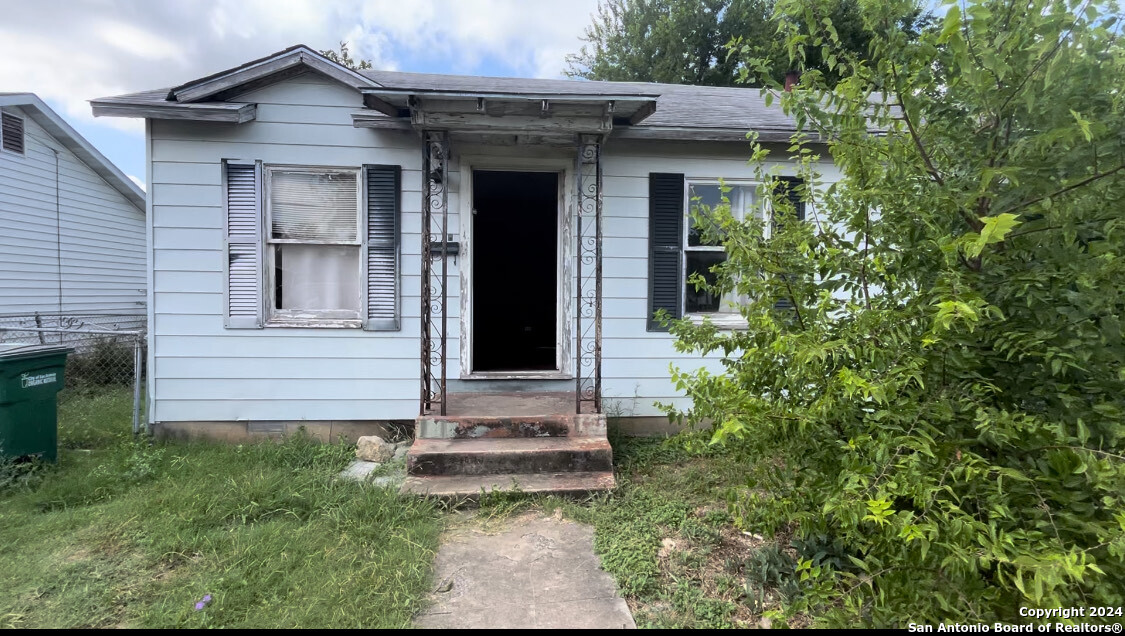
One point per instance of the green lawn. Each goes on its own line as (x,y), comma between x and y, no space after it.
(666,536)
(124,534)
(132,535)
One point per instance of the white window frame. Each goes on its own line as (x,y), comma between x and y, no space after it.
(721,319)
(23,131)
(304,318)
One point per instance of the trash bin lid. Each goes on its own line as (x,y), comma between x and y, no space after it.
(11,351)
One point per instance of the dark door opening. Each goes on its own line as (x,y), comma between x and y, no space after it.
(515,262)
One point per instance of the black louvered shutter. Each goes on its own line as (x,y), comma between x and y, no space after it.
(11,133)
(790,188)
(383,223)
(665,244)
(242,198)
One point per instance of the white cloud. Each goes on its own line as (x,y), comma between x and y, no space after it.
(137,42)
(136,180)
(81,49)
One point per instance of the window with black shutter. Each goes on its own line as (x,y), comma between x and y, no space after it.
(678,249)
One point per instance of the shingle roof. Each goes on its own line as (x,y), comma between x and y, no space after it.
(718,112)
(676,105)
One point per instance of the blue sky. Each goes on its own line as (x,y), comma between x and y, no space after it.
(71,51)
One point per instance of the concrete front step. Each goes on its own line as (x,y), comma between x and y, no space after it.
(506,456)
(480,426)
(468,486)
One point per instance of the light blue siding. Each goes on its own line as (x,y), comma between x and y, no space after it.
(202,371)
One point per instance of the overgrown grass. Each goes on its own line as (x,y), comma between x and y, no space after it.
(127,534)
(668,540)
(95,417)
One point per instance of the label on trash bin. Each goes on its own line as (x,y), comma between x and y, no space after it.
(28,380)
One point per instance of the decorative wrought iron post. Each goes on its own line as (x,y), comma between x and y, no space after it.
(435,229)
(588,309)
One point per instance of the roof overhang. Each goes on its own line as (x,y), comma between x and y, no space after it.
(57,127)
(234,113)
(209,98)
(702,133)
(502,113)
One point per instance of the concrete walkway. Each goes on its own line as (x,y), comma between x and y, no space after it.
(536,572)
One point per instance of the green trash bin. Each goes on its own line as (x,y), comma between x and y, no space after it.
(31,377)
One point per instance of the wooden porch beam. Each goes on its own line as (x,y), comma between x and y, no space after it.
(379,105)
(514,124)
(642,113)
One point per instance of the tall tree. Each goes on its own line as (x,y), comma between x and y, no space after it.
(931,391)
(685,41)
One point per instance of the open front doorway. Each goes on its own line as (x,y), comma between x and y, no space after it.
(515,310)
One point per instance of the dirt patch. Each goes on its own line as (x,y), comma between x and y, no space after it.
(81,554)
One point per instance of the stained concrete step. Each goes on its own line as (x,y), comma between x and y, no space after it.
(481,426)
(468,486)
(506,456)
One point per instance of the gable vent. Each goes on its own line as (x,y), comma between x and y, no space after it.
(11,133)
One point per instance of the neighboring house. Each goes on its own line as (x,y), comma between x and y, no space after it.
(72,226)
(298,211)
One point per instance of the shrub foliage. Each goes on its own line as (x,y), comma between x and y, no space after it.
(932,375)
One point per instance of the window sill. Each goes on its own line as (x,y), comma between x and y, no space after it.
(723,322)
(313,323)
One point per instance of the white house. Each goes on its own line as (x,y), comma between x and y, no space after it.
(335,249)
(73,225)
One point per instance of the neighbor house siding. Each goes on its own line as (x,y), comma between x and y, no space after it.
(203,371)
(72,228)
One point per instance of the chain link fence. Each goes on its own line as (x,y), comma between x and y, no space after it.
(108,356)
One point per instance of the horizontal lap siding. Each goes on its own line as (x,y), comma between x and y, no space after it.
(635,361)
(93,242)
(203,371)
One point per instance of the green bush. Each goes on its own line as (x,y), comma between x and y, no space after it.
(108,362)
(931,385)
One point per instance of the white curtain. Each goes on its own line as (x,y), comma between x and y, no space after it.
(319,277)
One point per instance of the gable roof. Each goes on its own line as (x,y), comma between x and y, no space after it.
(266,69)
(681,111)
(57,127)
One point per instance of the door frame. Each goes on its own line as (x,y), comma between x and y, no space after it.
(562,166)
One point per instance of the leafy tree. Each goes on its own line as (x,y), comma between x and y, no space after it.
(684,41)
(933,377)
(344,58)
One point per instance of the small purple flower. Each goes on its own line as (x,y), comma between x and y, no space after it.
(203,603)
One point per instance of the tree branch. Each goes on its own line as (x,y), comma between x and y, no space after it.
(914,132)
(1099,219)
(973,222)
(1044,59)
(1062,191)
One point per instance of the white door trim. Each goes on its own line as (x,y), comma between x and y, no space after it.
(564,166)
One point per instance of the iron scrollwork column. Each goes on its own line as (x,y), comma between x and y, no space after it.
(435,230)
(588,309)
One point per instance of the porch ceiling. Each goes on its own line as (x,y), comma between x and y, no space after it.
(502,113)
